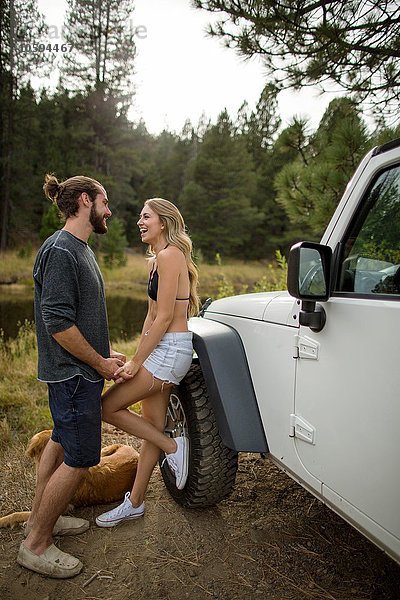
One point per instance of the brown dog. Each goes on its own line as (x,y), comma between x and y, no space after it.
(106,482)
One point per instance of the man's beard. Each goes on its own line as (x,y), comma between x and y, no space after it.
(97,221)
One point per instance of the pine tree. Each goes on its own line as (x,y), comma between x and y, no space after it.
(101,65)
(170,156)
(310,187)
(26,178)
(216,200)
(262,124)
(101,35)
(353,44)
(259,129)
(21,30)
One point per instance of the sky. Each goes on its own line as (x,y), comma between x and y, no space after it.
(182,73)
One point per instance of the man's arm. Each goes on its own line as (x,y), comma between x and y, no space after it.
(73,341)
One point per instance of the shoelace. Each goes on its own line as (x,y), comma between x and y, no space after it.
(121,508)
(171,463)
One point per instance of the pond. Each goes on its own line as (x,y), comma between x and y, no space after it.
(125,312)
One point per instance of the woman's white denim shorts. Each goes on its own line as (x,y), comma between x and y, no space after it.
(172,357)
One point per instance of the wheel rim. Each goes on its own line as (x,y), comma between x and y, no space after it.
(176,423)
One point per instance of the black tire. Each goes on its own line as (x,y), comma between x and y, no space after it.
(212,466)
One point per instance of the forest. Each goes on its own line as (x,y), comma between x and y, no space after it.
(247,186)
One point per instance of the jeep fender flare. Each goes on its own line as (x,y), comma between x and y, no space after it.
(223,362)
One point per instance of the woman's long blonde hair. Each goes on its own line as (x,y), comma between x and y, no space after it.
(176,235)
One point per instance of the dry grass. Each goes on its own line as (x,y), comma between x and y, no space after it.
(18,477)
(131,277)
(23,399)
(224,277)
(241,276)
(17,266)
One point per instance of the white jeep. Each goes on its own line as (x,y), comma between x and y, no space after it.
(310,376)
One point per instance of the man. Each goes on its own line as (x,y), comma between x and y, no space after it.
(74,359)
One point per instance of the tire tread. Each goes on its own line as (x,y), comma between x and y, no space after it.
(212,466)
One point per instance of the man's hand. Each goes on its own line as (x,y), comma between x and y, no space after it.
(73,341)
(114,354)
(109,366)
(126,372)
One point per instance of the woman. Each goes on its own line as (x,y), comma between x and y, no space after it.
(163,355)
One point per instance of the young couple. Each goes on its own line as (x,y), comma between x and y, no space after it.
(75,357)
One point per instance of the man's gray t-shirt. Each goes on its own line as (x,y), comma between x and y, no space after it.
(69,290)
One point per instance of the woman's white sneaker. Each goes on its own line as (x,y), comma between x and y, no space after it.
(178,461)
(123,512)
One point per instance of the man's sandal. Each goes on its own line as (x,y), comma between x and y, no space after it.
(65,526)
(53,562)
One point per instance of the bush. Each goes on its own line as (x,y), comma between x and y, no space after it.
(225,287)
(25,251)
(274,280)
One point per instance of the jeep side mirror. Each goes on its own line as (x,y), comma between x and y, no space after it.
(309,275)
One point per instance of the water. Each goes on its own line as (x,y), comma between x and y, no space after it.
(125,313)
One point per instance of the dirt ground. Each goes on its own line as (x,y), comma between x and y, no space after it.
(271,540)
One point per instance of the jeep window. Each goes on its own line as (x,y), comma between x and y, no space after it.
(371,256)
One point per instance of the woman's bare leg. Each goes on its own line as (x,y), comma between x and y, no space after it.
(115,409)
(154,410)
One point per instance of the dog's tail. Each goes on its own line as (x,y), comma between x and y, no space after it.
(14,519)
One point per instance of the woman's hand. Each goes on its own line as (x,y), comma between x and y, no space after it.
(127,372)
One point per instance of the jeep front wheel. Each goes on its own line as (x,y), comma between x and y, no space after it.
(212,466)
